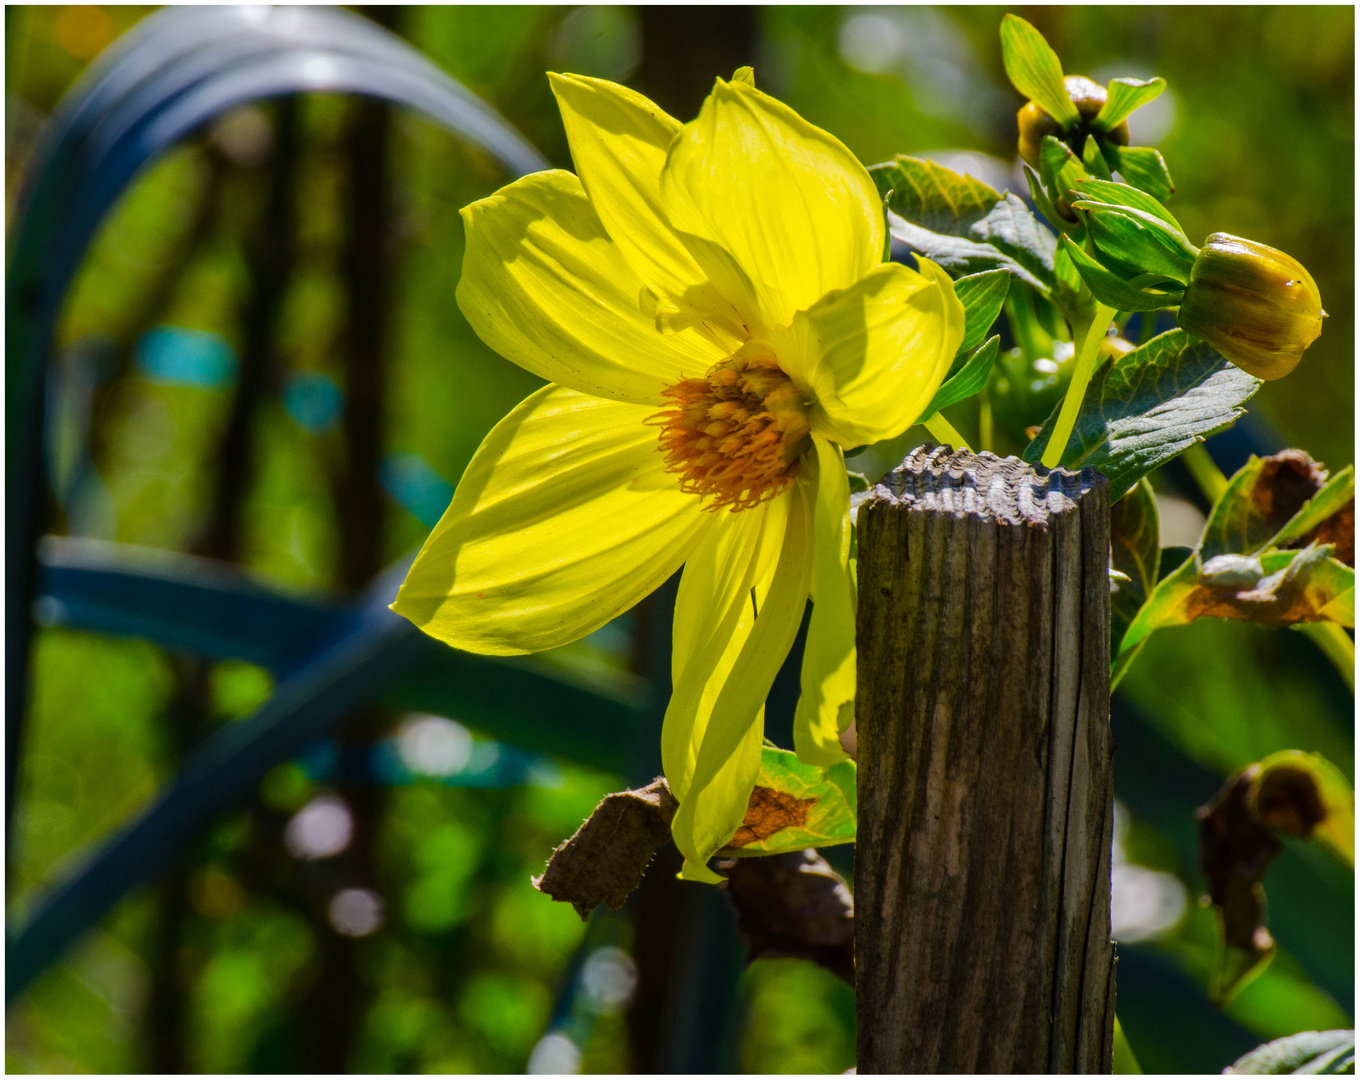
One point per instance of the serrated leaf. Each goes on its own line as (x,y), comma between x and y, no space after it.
(1134,551)
(981,296)
(796,806)
(1143,167)
(1309,1053)
(1112,193)
(933,197)
(1013,230)
(1144,408)
(971,378)
(1123,97)
(1035,70)
(1139,243)
(1113,290)
(956,254)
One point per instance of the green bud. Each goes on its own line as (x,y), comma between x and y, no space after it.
(1257,306)
(1035,123)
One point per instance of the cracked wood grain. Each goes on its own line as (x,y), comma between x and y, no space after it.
(982,877)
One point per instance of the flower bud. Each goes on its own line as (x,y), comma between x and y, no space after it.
(1257,306)
(1035,123)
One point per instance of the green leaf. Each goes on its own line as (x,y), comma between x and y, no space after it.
(1094,160)
(1134,551)
(797,806)
(1144,408)
(958,255)
(1143,167)
(1309,1053)
(1112,289)
(858,482)
(1035,70)
(1041,199)
(1111,193)
(1140,243)
(1125,1064)
(932,196)
(1013,230)
(981,296)
(971,378)
(1124,96)
(1061,169)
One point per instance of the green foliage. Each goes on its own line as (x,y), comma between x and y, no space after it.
(1143,409)
(1134,552)
(981,296)
(968,380)
(1143,167)
(1124,96)
(933,197)
(1034,69)
(1307,1053)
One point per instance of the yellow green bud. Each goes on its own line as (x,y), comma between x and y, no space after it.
(1257,306)
(1035,123)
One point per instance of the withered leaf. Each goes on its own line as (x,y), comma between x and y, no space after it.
(1338,530)
(1262,497)
(767,813)
(1290,791)
(606,857)
(793,905)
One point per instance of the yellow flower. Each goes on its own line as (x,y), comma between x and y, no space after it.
(711,309)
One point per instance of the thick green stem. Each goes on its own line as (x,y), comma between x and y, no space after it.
(943,431)
(1207,475)
(1337,644)
(986,433)
(1085,366)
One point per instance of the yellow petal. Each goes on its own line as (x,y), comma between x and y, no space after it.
(873,355)
(729,755)
(827,704)
(563,520)
(545,287)
(792,206)
(714,614)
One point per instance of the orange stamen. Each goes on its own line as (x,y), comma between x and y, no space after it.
(735,435)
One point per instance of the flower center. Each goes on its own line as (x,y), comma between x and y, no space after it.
(736,434)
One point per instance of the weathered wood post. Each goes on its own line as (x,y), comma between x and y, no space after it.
(982,876)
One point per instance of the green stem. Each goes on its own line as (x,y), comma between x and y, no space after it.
(1085,366)
(985,430)
(1207,475)
(943,431)
(1146,325)
(1337,644)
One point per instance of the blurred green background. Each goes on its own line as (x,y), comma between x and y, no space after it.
(418,944)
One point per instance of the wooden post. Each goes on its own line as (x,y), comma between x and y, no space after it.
(982,871)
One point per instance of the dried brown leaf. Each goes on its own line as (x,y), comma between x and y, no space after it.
(606,857)
(793,905)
